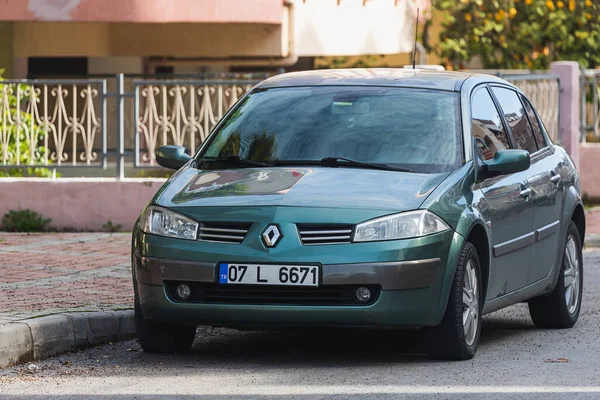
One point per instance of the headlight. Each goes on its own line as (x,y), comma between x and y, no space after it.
(164,222)
(400,226)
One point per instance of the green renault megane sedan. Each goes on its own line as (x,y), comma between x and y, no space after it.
(363,198)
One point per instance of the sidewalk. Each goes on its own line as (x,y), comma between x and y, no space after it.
(42,274)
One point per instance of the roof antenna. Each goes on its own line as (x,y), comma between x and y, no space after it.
(416,34)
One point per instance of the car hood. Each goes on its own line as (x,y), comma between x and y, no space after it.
(299,187)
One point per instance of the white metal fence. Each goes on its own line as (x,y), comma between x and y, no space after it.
(87,123)
(181,112)
(50,122)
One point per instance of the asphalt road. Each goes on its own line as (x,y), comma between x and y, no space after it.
(514,361)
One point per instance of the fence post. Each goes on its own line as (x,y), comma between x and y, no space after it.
(570,106)
(120,115)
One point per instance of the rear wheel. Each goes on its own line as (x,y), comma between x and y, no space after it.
(163,338)
(560,309)
(457,335)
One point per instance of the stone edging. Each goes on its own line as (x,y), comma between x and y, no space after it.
(39,338)
(592,240)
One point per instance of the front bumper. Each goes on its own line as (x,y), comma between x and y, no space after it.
(414,276)
(389,275)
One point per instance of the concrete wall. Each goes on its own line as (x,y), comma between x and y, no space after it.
(353,27)
(211,28)
(6,48)
(83,204)
(100,39)
(115,65)
(400,59)
(161,11)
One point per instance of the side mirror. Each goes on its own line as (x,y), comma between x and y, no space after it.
(172,157)
(507,162)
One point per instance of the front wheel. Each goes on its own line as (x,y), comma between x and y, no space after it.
(457,335)
(163,338)
(560,309)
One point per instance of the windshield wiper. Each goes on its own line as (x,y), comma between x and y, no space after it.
(325,162)
(346,162)
(237,160)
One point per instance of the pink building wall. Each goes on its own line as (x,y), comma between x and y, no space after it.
(153,11)
(82,204)
(589,170)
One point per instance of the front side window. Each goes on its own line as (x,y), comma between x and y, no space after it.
(486,125)
(514,114)
(407,128)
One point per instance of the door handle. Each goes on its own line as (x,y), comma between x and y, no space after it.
(526,192)
(555,178)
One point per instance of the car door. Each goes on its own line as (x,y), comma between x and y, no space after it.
(543,178)
(548,200)
(505,206)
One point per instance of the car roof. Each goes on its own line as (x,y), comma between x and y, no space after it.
(401,77)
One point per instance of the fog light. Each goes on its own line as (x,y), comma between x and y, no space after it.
(183,292)
(363,294)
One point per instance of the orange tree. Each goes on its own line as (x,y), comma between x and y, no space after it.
(522,34)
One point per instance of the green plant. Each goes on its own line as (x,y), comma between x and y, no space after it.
(24,221)
(520,34)
(14,98)
(109,226)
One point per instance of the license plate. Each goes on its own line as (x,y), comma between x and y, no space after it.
(254,274)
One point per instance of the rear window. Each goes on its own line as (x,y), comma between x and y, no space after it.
(408,128)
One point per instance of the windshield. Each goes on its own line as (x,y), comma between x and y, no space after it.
(413,129)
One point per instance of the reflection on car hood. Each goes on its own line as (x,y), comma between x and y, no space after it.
(300,187)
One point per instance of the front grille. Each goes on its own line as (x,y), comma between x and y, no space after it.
(314,234)
(223,232)
(327,295)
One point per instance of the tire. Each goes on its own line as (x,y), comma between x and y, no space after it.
(450,339)
(162,338)
(560,309)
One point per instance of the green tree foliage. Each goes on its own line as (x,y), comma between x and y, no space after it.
(519,34)
(11,111)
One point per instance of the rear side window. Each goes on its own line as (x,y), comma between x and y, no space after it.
(486,125)
(514,113)
(537,130)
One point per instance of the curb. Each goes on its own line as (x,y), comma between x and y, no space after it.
(38,338)
(592,240)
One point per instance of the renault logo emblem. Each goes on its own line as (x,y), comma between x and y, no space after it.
(271,235)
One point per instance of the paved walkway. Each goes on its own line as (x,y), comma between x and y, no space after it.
(43,274)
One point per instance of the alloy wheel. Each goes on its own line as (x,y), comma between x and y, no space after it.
(470,303)
(571,275)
